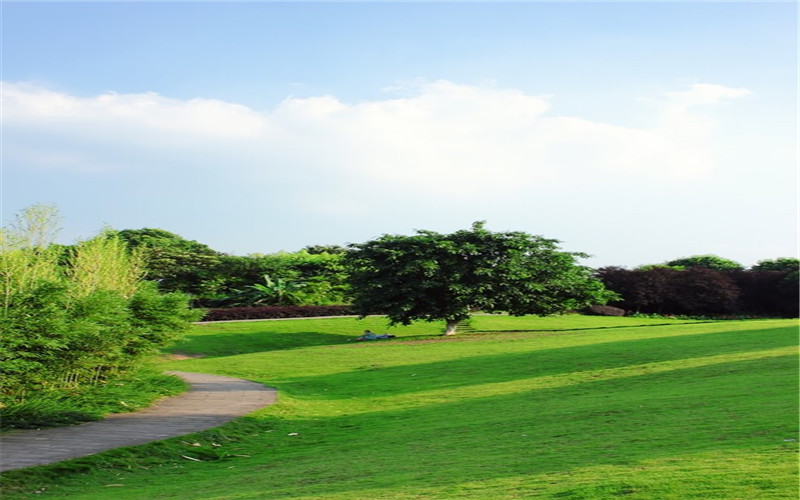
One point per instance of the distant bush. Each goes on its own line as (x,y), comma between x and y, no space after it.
(275,312)
(706,261)
(700,291)
(768,293)
(598,310)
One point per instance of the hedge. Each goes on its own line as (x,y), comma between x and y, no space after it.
(275,312)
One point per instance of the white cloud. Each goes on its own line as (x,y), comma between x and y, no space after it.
(444,138)
(703,93)
(31,105)
(687,134)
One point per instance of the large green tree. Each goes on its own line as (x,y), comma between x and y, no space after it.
(431,276)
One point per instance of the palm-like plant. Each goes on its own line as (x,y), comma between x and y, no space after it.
(276,291)
(279,290)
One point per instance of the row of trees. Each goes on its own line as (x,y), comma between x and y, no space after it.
(707,285)
(426,276)
(75,315)
(314,275)
(322,275)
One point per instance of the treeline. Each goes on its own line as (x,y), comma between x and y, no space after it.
(73,316)
(707,285)
(316,275)
(312,276)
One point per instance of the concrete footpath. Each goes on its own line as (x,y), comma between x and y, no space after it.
(210,401)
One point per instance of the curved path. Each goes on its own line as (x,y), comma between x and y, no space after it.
(210,401)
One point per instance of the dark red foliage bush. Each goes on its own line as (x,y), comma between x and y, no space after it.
(768,293)
(598,310)
(702,291)
(275,312)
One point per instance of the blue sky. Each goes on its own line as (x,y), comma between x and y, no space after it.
(635,132)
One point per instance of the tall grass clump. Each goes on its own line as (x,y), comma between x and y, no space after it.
(104,263)
(74,316)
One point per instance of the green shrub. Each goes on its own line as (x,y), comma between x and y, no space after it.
(157,319)
(36,331)
(276,312)
(76,318)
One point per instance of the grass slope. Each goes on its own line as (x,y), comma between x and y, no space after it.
(570,407)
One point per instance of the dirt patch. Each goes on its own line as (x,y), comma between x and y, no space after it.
(177,356)
(498,335)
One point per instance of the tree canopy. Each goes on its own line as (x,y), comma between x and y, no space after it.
(707,261)
(431,276)
(177,264)
(786,264)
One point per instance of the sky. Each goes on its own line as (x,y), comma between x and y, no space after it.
(636,132)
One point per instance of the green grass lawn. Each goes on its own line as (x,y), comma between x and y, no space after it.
(571,407)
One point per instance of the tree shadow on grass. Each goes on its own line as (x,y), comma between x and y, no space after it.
(231,344)
(451,374)
(615,327)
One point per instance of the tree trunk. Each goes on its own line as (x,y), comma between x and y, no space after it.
(451,327)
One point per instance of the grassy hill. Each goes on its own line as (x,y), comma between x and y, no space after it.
(569,407)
